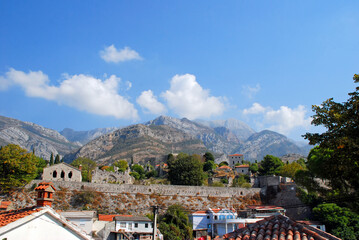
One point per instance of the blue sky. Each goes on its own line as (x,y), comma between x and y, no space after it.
(90,64)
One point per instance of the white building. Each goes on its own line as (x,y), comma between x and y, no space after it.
(83,219)
(132,226)
(217,221)
(235,159)
(39,222)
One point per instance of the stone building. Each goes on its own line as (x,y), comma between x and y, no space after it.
(235,159)
(62,172)
(101,176)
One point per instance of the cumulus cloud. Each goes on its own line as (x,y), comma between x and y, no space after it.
(150,103)
(82,92)
(111,54)
(188,99)
(250,91)
(282,120)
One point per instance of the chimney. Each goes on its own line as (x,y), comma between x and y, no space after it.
(80,167)
(45,193)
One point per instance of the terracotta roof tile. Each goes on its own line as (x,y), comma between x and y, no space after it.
(109,217)
(7,217)
(5,204)
(233,155)
(224,167)
(278,227)
(243,166)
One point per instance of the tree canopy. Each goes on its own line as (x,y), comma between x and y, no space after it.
(174,224)
(186,170)
(17,167)
(336,158)
(122,165)
(270,165)
(87,166)
(341,222)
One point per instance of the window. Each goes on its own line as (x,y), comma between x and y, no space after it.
(207,217)
(215,217)
(122,225)
(54,174)
(209,226)
(70,175)
(146,225)
(62,174)
(136,225)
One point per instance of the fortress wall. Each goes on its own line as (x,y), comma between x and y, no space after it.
(163,190)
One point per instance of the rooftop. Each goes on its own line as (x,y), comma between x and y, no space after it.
(234,155)
(132,218)
(243,166)
(279,227)
(109,217)
(7,217)
(264,207)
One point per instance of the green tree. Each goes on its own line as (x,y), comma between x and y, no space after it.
(51,159)
(241,181)
(338,146)
(290,169)
(208,157)
(254,168)
(122,165)
(270,165)
(186,170)
(57,159)
(17,167)
(87,166)
(341,222)
(208,166)
(40,165)
(174,224)
(138,169)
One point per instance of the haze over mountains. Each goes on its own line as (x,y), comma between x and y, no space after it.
(150,141)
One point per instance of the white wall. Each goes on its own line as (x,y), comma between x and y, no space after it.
(141,226)
(43,227)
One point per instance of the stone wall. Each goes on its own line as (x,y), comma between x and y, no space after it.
(163,190)
(100,176)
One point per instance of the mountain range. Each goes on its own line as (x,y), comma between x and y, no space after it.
(150,141)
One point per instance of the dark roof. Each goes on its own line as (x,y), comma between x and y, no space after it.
(279,227)
(132,218)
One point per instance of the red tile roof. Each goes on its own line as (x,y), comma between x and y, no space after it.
(5,204)
(109,217)
(44,186)
(244,165)
(233,155)
(279,227)
(7,217)
(224,167)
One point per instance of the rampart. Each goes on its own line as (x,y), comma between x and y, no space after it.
(161,190)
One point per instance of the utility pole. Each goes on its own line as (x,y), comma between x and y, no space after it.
(155,212)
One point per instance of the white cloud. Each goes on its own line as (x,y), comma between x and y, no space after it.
(251,91)
(283,120)
(150,103)
(255,109)
(82,92)
(111,54)
(188,99)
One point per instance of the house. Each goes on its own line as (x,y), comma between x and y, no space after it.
(234,159)
(39,222)
(242,169)
(279,227)
(62,172)
(262,211)
(135,227)
(83,219)
(216,222)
